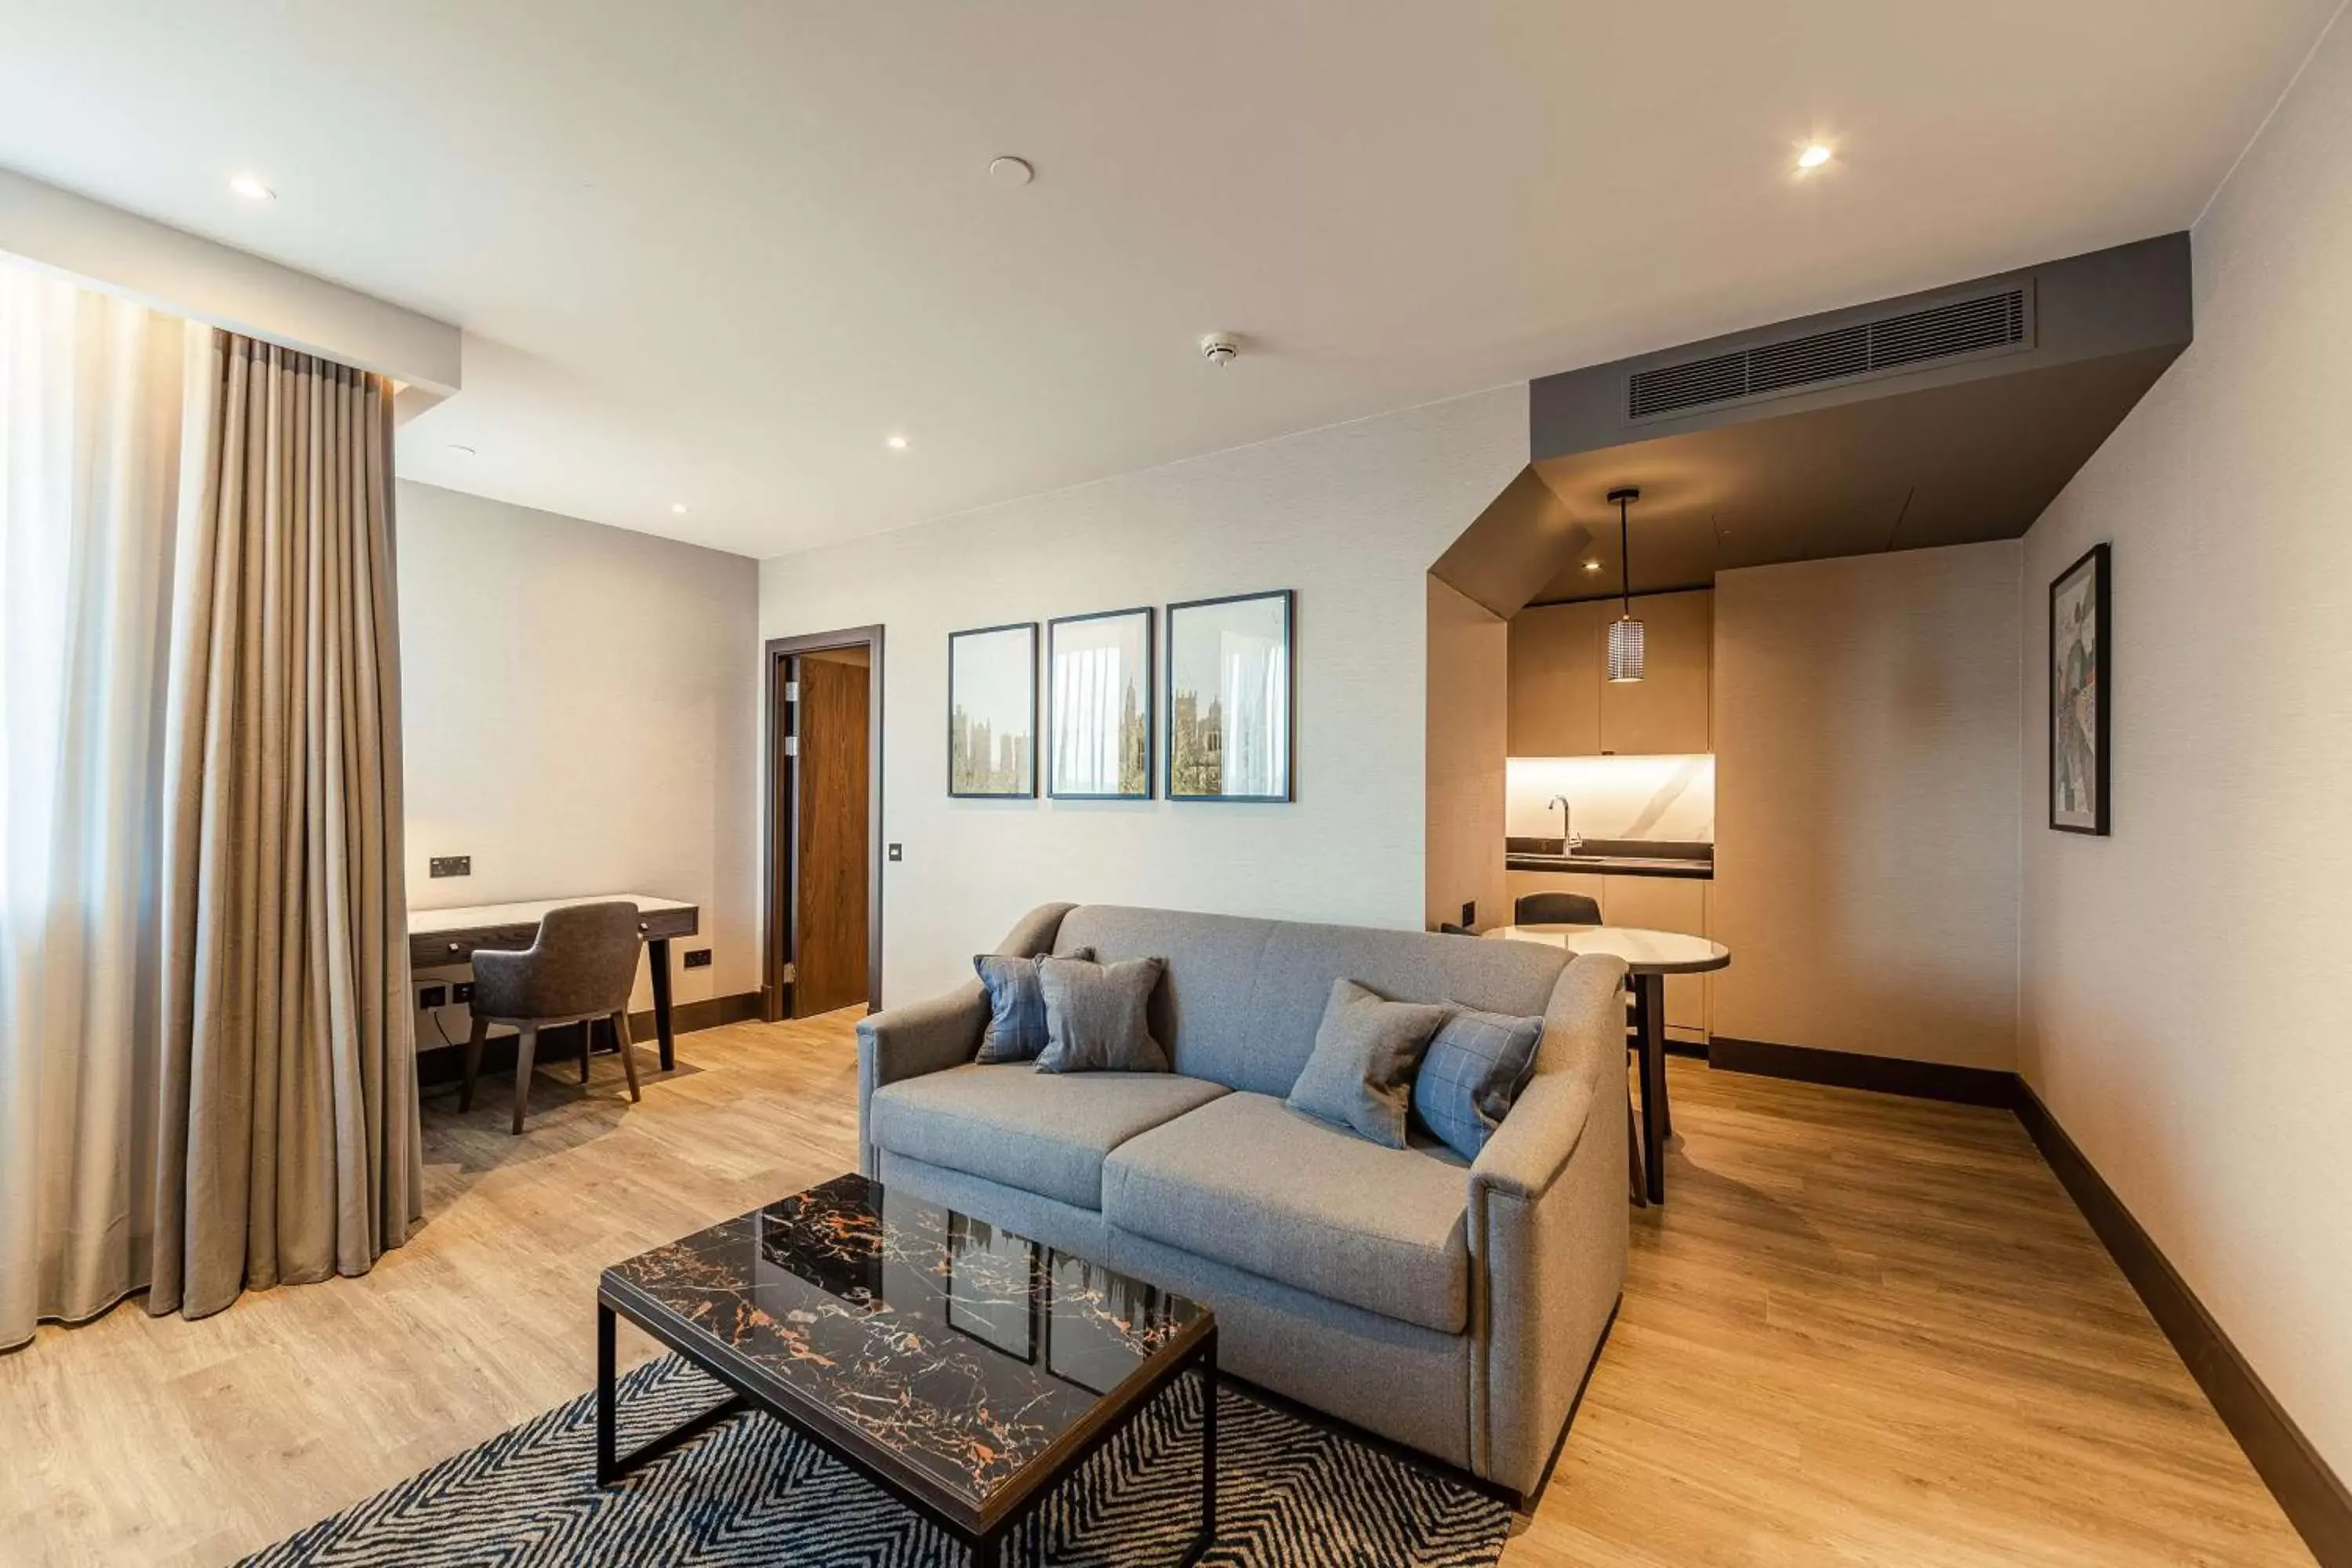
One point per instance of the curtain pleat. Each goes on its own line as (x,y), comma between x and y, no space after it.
(89,429)
(288,1147)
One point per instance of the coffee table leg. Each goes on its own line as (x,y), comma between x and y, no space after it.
(611,1464)
(606,1467)
(1208,1536)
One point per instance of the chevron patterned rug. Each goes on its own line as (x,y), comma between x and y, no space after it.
(751,1491)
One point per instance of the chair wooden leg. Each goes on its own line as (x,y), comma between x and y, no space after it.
(628,1051)
(587,1042)
(473,1063)
(526,1045)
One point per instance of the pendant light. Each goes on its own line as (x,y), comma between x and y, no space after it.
(1625,632)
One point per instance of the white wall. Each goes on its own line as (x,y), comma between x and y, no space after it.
(1467,735)
(1865,857)
(2185,1014)
(1351,517)
(581,715)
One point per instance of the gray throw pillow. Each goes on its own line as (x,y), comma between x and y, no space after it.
(1016,1006)
(1473,1071)
(1361,1074)
(1096,1015)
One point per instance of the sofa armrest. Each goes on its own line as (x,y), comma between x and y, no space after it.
(1537,1140)
(1547,1229)
(939,1032)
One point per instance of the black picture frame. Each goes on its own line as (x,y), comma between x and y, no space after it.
(1175,761)
(2093,569)
(1027,789)
(1148,687)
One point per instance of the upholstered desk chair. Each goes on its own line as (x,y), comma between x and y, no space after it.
(579,968)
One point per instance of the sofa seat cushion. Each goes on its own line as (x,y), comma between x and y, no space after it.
(1040,1133)
(1246,1182)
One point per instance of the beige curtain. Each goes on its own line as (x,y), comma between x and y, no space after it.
(89,433)
(287,1148)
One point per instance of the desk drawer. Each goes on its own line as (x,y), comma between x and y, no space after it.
(670,922)
(440,949)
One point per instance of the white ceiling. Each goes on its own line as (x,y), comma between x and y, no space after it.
(714,253)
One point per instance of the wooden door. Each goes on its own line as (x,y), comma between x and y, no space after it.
(829,957)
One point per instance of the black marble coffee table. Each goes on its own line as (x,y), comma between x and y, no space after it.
(964,1369)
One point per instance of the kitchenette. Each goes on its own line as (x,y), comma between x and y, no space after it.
(1610,785)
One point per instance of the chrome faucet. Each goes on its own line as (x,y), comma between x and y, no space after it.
(1568,841)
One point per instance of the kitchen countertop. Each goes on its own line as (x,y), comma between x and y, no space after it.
(1612,857)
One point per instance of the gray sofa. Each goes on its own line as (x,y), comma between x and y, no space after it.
(1450,1307)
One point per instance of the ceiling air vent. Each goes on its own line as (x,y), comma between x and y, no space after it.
(1988,323)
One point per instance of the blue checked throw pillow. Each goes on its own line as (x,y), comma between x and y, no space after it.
(1473,1069)
(1016,1006)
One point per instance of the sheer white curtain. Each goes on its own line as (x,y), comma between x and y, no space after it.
(89,426)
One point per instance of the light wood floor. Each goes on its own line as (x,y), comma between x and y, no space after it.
(1865,1331)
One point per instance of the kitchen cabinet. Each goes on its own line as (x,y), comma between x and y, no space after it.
(1671,709)
(1562,703)
(1555,680)
(1666,904)
(1653,903)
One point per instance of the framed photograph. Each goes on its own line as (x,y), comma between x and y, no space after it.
(993,712)
(1232,697)
(1099,706)
(2081,616)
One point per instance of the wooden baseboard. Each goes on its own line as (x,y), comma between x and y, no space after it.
(1852,1069)
(2314,1497)
(439,1063)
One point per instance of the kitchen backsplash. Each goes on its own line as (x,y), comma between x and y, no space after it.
(1612,797)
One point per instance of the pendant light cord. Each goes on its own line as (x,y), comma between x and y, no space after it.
(1625,558)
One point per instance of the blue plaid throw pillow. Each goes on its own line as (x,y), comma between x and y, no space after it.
(1473,1069)
(1016,1006)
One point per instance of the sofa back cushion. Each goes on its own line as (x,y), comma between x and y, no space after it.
(1242,998)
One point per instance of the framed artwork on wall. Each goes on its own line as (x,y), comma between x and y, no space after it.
(2081,618)
(993,712)
(1099,706)
(1232,697)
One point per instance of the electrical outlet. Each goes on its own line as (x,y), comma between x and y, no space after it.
(452,865)
(1470,913)
(432,996)
(461,992)
(898,852)
(697,958)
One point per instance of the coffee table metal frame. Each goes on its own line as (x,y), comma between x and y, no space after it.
(985,1530)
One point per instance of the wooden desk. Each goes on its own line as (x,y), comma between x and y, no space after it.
(1650,956)
(437,938)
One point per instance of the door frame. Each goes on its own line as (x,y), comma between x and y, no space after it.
(780,826)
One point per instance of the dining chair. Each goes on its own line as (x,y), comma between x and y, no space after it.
(1556,910)
(579,968)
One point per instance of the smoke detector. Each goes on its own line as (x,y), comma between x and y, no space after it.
(1219,348)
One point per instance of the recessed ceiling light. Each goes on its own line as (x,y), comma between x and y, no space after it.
(678,507)
(1814,156)
(1010,171)
(251,187)
(1592,566)
(896,443)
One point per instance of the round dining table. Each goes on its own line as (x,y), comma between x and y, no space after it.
(1650,956)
